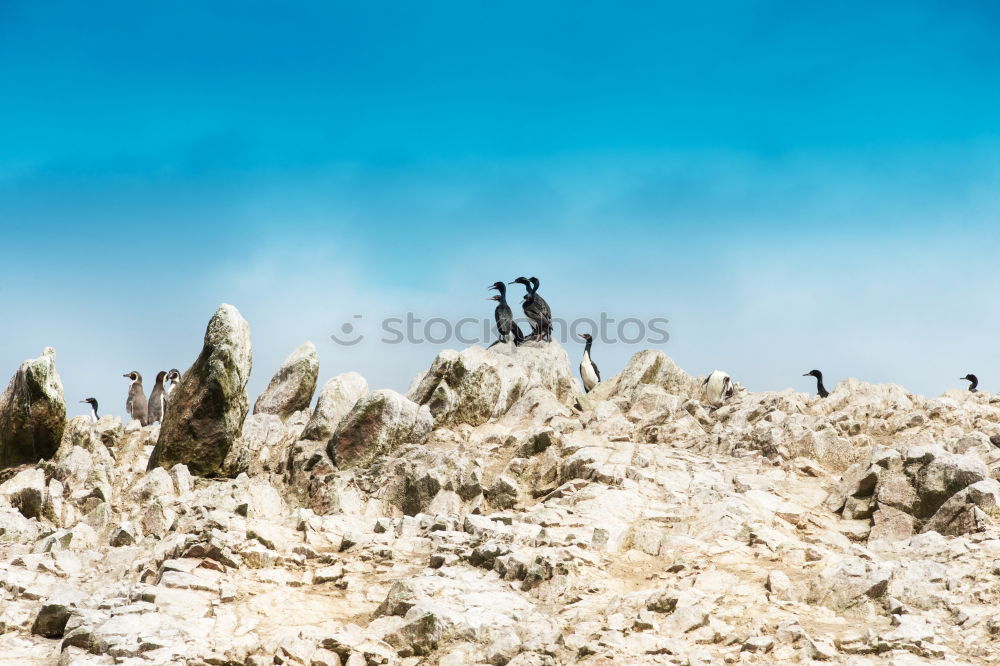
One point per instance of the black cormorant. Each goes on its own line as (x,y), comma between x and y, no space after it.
(536,309)
(819,382)
(506,326)
(974,385)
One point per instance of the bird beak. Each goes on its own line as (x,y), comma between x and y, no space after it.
(127,375)
(487,299)
(512,282)
(805,374)
(83,401)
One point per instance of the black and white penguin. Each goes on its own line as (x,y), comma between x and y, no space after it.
(974,382)
(589,373)
(536,309)
(507,328)
(157,404)
(93,409)
(173,378)
(717,388)
(820,389)
(136,404)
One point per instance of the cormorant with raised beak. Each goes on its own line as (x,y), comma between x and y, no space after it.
(506,326)
(536,309)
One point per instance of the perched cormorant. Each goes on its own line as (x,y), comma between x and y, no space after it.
(717,387)
(588,369)
(157,404)
(136,404)
(506,326)
(536,309)
(173,376)
(819,382)
(974,386)
(93,409)
(543,306)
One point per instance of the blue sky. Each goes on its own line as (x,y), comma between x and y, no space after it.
(792,185)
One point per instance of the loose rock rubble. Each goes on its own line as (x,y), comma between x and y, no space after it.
(495,515)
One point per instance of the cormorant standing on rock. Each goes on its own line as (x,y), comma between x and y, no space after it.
(506,326)
(93,409)
(820,389)
(974,385)
(173,376)
(543,306)
(157,404)
(536,309)
(136,403)
(588,369)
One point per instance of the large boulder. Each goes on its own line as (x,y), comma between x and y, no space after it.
(26,492)
(379,422)
(291,388)
(648,367)
(924,489)
(209,405)
(336,399)
(476,384)
(32,412)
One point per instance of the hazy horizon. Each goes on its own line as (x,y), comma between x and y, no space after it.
(791,186)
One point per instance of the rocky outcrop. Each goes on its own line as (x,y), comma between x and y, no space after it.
(209,405)
(377,424)
(32,412)
(336,399)
(264,444)
(475,385)
(648,368)
(643,525)
(923,488)
(291,388)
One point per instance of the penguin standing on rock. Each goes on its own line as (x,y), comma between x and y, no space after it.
(717,388)
(136,404)
(588,369)
(820,389)
(173,377)
(157,404)
(93,409)
(507,328)
(973,383)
